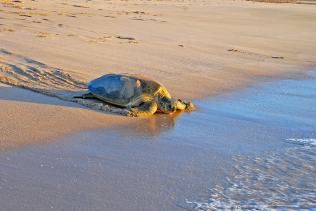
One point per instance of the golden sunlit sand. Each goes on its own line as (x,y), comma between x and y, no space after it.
(196,49)
(65,153)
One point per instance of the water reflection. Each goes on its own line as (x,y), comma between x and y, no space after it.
(155,125)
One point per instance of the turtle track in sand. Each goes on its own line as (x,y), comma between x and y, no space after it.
(36,76)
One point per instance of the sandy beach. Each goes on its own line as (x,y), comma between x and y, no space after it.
(196,49)
(202,51)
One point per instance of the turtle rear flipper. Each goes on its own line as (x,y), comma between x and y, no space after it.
(145,109)
(86,96)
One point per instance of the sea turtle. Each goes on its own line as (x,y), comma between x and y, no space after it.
(140,95)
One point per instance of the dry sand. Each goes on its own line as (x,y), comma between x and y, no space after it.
(196,49)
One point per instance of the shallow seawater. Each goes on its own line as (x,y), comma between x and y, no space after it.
(282,177)
(280,180)
(249,150)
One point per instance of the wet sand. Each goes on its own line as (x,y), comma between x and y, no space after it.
(252,149)
(63,155)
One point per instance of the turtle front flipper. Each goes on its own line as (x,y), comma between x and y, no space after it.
(144,109)
(86,96)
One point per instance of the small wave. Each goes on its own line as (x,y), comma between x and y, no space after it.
(305,142)
(282,180)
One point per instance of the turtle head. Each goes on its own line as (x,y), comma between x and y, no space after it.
(167,105)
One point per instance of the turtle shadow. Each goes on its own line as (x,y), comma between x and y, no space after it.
(19,94)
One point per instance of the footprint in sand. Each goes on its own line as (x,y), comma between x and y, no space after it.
(43,35)
(184,46)
(113,39)
(97,40)
(7,30)
(110,16)
(128,39)
(141,13)
(143,19)
(80,6)
(257,54)
(125,38)
(101,39)
(123,13)
(277,57)
(234,50)
(140,17)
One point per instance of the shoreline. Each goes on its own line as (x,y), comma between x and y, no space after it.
(232,146)
(195,54)
(79,118)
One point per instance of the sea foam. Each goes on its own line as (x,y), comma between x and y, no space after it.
(281,180)
(305,142)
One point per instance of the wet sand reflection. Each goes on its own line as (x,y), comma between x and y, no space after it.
(155,125)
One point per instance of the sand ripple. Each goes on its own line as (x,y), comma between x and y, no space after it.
(39,77)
